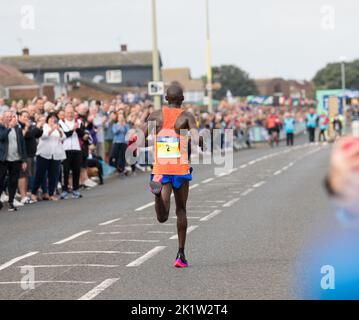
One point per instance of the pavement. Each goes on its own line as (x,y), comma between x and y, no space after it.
(247,228)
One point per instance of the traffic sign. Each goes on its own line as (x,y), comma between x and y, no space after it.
(156,88)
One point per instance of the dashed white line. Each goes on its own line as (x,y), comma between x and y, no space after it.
(243,166)
(259,184)
(252,162)
(194,186)
(247,192)
(207,180)
(121,240)
(277,172)
(143,225)
(161,232)
(189,230)
(71,266)
(145,206)
(211,215)
(50,281)
(72,237)
(89,252)
(13,261)
(99,289)
(115,232)
(109,222)
(230,203)
(146,256)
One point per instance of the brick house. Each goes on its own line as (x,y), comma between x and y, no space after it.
(194,89)
(287,88)
(15,85)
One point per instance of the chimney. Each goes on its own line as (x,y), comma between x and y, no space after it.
(25,51)
(123,47)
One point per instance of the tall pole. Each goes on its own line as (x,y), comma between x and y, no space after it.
(344,86)
(209,62)
(155,54)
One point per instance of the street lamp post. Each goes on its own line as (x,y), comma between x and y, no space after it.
(342,60)
(209,62)
(155,55)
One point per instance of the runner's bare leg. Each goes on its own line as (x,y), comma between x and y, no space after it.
(162,203)
(181,196)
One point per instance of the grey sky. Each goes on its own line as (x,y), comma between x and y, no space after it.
(264,37)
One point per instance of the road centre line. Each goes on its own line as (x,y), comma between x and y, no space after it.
(71,266)
(189,230)
(247,192)
(207,180)
(259,184)
(146,256)
(230,203)
(99,289)
(88,252)
(15,260)
(148,205)
(211,215)
(109,222)
(72,237)
(49,281)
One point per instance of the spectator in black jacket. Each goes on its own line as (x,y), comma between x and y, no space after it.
(31,132)
(12,155)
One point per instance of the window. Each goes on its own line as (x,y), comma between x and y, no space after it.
(30,75)
(52,77)
(114,76)
(69,76)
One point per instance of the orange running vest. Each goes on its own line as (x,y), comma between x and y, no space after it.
(170,148)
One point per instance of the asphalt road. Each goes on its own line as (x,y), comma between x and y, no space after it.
(247,229)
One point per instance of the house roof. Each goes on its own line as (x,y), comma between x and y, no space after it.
(176,74)
(10,76)
(79,61)
(183,77)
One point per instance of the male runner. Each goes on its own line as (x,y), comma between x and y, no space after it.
(171,171)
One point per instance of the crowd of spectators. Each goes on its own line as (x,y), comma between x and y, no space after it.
(50,150)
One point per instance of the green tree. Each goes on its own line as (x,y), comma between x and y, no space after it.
(232,78)
(330,76)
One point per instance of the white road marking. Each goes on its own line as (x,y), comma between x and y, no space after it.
(204,206)
(243,166)
(189,218)
(121,240)
(207,180)
(143,224)
(13,261)
(230,203)
(277,172)
(72,237)
(215,201)
(115,232)
(259,184)
(252,162)
(247,192)
(71,266)
(99,289)
(146,256)
(222,174)
(285,168)
(145,206)
(41,282)
(194,186)
(109,222)
(161,232)
(89,252)
(211,215)
(189,230)
(233,170)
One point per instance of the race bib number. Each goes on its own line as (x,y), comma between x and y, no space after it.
(168,147)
